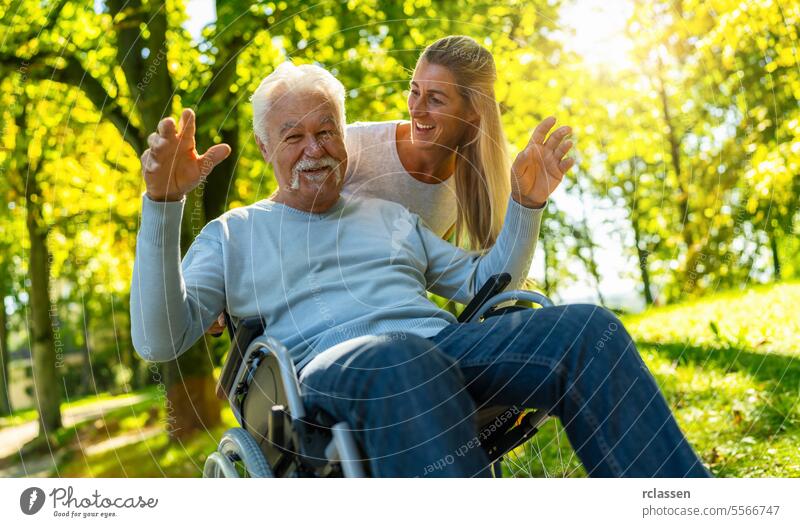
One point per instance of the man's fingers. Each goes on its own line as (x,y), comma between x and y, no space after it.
(213,156)
(566,164)
(149,164)
(166,128)
(556,137)
(156,142)
(540,132)
(562,149)
(145,158)
(146,155)
(187,125)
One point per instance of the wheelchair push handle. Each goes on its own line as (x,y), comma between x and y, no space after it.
(494,285)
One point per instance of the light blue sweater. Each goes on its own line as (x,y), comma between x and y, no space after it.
(362,267)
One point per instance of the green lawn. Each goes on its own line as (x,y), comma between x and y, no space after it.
(155,456)
(727,365)
(21,416)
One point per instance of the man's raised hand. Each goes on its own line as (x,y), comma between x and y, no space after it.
(540,167)
(171,166)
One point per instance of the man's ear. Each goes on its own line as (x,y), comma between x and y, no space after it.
(263,148)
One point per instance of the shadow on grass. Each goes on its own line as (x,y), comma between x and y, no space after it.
(756,442)
(780,370)
(775,416)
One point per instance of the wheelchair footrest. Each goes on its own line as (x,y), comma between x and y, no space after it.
(509,437)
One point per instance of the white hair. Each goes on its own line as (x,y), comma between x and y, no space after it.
(287,77)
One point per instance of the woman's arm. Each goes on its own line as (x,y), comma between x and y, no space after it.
(536,173)
(457,274)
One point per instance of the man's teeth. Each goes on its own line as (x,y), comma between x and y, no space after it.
(317,175)
(425,126)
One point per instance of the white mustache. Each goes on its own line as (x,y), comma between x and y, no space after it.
(306,164)
(315,164)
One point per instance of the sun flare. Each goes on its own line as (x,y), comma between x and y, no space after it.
(595,29)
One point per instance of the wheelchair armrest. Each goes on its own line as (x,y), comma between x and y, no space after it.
(494,285)
(248,329)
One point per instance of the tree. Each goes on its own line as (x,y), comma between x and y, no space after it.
(753,47)
(119,60)
(7,289)
(42,340)
(724,73)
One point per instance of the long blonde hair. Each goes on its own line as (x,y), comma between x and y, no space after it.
(482,165)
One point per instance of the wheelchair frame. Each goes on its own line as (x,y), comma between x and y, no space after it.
(293,443)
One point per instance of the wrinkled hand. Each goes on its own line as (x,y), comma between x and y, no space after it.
(171,166)
(541,166)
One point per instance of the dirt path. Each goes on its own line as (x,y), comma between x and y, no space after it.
(15,437)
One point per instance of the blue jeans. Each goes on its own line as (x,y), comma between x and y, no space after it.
(411,400)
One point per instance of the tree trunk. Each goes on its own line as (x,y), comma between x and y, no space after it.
(46,357)
(548,262)
(123,340)
(193,403)
(776,261)
(675,155)
(218,186)
(591,263)
(87,377)
(5,403)
(642,255)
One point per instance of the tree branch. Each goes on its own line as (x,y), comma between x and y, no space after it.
(52,16)
(61,221)
(76,75)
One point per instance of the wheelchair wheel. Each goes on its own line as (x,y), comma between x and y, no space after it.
(238,455)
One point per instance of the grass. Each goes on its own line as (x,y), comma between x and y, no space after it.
(155,456)
(26,415)
(728,366)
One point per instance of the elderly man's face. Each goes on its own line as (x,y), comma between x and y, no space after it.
(306,149)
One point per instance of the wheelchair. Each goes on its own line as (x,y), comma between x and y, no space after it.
(278,438)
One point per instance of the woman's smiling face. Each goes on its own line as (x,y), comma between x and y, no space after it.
(440,115)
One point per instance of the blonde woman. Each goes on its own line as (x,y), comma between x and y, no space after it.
(449,163)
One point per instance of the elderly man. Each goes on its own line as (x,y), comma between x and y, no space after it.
(343,284)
